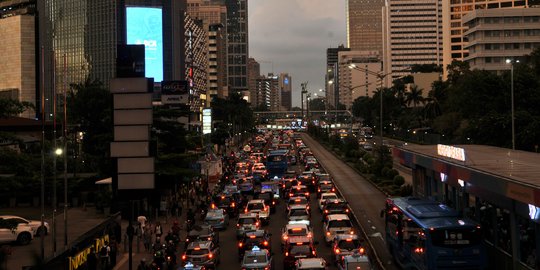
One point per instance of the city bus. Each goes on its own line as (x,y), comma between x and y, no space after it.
(277,163)
(424,234)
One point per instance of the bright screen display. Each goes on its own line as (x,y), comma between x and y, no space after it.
(144,26)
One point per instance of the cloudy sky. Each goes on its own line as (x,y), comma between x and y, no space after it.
(293,36)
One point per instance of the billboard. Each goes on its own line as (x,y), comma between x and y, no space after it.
(175,92)
(207,121)
(144,27)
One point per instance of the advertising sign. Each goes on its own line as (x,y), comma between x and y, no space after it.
(144,27)
(207,121)
(175,92)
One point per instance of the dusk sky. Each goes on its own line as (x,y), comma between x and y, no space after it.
(294,35)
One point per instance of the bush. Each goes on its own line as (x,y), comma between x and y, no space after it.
(392,173)
(375,179)
(399,180)
(386,182)
(384,172)
(406,190)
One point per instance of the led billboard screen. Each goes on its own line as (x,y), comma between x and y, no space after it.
(144,26)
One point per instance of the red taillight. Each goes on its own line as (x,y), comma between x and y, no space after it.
(314,253)
(237,225)
(286,254)
(265,243)
(362,250)
(240,244)
(337,251)
(257,223)
(273,202)
(326,211)
(285,237)
(328,233)
(184,257)
(210,255)
(233,205)
(419,250)
(245,210)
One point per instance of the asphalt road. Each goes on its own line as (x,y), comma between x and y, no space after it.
(365,200)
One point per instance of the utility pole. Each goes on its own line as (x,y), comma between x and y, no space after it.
(304,91)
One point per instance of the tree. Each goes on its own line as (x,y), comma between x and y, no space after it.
(12,107)
(456,69)
(414,96)
(316,104)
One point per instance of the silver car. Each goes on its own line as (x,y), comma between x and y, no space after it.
(257,258)
(217,218)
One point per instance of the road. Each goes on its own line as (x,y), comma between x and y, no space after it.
(365,200)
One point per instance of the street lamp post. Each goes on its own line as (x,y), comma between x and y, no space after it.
(511,62)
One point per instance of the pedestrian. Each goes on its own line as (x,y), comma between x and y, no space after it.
(91,260)
(147,239)
(158,230)
(142,223)
(104,256)
(114,252)
(142,265)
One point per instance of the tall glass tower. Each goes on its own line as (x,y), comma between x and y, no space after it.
(237,37)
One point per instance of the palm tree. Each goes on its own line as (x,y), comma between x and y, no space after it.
(414,96)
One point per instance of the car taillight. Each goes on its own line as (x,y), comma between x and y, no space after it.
(240,244)
(237,225)
(285,237)
(184,257)
(286,254)
(326,211)
(362,250)
(210,255)
(222,220)
(314,253)
(233,205)
(245,210)
(347,210)
(328,233)
(333,189)
(265,243)
(307,193)
(337,251)
(257,223)
(318,190)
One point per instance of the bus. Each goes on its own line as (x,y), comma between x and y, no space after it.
(424,234)
(277,163)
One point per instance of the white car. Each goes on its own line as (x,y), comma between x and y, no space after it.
(258,168)
(260,208)
(298,212)
(325,197)
(34,224)
(295,229)
(336,224)
(12,230)
(311,264)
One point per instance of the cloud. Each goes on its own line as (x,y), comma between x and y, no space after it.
(294,36)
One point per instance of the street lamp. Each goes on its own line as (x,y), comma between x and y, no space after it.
(57,153)
(511,62)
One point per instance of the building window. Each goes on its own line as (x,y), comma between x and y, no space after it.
(488,59)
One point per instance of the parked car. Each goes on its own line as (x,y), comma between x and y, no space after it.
(34,224)
(11,230)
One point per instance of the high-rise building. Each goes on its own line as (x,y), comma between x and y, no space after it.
(364,29)
(412,31)
(285,87)
(84,33)
(254,73)
(18,53)
(262,91)
(495,35)
(454,41)
(332,76)
(196,63)
(214,18)
(238,49)
(358,81)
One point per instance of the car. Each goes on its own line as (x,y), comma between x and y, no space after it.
(335,206)
(259,168)
(201,232)
(298,247)
(298,212)
(367,146)
(311,264)
(325,197)
(296,200)
(247,222)
(191,266)
(227,202)
(257,206)
(335,225)
(346,244)
(12,230)
(257,258)
(246,185)
(299,190)
(295,229)
(34,224)
(268,197)
(355,261)
(325,187)
(217,218)
(204,253)
(260,238)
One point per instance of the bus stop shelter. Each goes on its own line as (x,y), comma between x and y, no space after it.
(498,187)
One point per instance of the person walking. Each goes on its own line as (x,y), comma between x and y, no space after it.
(91,260)
(158,230)
(104,253)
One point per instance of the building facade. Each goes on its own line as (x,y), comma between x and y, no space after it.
(332,75)
(263,90)
(214,19)
(454,41)
(238,45)
(285,87)
(364,29)
(196,62)
(495,35)
(254,73)
(18,53)
(412,31)
(361,80)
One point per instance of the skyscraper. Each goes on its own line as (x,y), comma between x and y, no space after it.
(332,75)
(364,30)
(238,49)
(454,41)
(285,87)
(412,31)
(254,73)
(18,53)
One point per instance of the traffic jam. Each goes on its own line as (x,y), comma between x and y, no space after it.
(275,179)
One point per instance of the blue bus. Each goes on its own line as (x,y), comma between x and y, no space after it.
(424,234)
(277,163)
